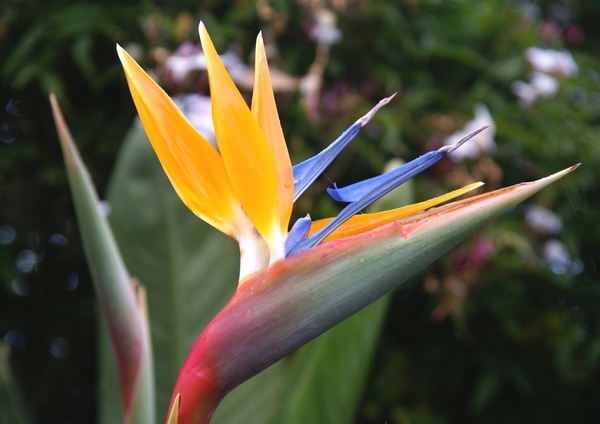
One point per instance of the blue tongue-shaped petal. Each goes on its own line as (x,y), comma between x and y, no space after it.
(298,232)
(305,173)
(363,193)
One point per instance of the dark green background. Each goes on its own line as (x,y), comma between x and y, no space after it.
(523,346)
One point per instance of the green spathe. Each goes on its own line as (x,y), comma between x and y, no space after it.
(281,308)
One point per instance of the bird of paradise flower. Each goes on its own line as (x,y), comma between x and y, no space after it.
(294,283)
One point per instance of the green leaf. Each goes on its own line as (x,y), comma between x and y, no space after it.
(122,310)
(255,401)
(109,396)
(12,406)
(109,393)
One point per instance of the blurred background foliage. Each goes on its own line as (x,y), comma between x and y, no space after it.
(503,329)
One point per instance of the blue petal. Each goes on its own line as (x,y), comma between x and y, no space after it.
(305,173)
(368,191)
(298,232)
(363,193)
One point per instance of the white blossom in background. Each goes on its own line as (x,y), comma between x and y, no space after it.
(526,93)
(559,260)
(197,110)
(187,58)
(548,61)
(325,30)
(135,50)
(556,256)
(104,208)
(548,66)
(235,66)
(541,86)
(483,143)
(542,220)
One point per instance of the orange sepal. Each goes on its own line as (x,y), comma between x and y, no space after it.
(265,113)
(364,222)
(194,167)
(244,149)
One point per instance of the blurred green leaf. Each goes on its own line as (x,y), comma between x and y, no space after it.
(122,310)
(109,394)
(12,407)
(255,401)
(516,300)
(82,53)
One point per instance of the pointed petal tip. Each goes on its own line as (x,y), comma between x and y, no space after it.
(260,56)
(203,33)
(124,57)
(453,147)
(299,231)
(244,148)
(120,51)
(366,118)
(553,177)
(173,414)
(560,174)
(508,197)
(64,134)
(333,192)
(306,172)
(202,29)
(54,105)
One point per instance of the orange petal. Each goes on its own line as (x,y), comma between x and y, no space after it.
(244,149)
(194,167)
(360,223)
(265,113)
